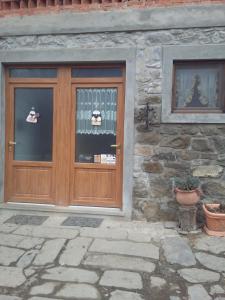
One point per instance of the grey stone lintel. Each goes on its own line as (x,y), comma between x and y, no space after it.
(185,53)
(129,19)
(124,55)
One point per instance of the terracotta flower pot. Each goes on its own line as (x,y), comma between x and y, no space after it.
(187,198)
(215,222)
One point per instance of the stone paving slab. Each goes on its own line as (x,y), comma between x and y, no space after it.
(44,298)
(177,251)
(8,228)
(6,297)
(47,232)
(11,277)
(212,244)
(119,262)
(122,279)
(195,275)
(75,251)
(198,292)
(116,234)
(19,241)
(9,255)
(49,252)
(70,275)
(123,295)
(43,289)
(79,291)
(211,262)
(125,247)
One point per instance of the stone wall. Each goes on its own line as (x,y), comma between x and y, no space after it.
(165,150)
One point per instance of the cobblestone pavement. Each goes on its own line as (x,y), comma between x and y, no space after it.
(119,260)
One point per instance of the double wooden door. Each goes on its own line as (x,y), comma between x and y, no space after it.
(64,135)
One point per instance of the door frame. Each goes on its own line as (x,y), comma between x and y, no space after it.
(53,56)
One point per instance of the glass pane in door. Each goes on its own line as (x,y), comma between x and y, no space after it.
(33,123)
(96,113)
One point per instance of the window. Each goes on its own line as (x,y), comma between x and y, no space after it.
(193,84)
(198,87)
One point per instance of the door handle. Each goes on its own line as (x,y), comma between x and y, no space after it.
(11,143)
(116,146)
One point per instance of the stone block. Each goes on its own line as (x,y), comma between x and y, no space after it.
(214,189)
(202,145)
(151,211)
(152,167)
(177,142)
(208,171)
(123,279)
(219,143)
(148,138)
(143,150)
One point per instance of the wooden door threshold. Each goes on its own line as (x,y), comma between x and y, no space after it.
(103,211)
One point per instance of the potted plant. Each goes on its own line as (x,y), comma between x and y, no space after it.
(187,190)
(215,219)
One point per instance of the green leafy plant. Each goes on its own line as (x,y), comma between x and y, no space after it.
(188,183)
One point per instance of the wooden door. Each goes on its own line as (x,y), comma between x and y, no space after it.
(63,158)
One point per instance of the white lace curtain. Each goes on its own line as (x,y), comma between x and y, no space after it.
(101,99)
(200,81)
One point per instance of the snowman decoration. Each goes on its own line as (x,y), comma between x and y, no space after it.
(32,116)
(96,118)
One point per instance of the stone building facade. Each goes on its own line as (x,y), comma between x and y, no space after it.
(166,148)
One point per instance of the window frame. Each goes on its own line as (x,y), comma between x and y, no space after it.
(220,64)
(190,53)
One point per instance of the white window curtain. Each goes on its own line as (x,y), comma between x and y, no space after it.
(101,99)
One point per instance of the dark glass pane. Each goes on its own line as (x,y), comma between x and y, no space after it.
(96,125)
(198,86)
(96,72)
(33,140)
(32,73)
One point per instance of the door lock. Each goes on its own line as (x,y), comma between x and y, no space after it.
(11,143)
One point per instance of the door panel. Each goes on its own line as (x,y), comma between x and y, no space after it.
(30,169)
(97,146)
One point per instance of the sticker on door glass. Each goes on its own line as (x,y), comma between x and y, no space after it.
(96,118)
(32,116)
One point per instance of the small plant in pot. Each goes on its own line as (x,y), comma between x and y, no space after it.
(187,190)
(215,219)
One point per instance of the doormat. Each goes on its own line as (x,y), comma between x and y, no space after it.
(26,220)
(82,222)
